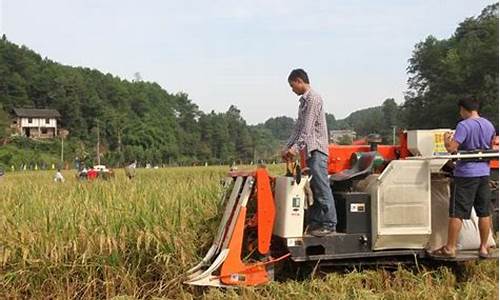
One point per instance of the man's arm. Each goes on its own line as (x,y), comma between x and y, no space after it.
(450,144)
(293,137)
(452,141)
(494,141)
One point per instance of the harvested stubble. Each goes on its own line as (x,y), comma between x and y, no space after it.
(135,238)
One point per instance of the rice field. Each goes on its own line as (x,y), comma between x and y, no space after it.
(134,239)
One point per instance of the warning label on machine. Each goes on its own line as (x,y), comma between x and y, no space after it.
(439,148)
(357,207)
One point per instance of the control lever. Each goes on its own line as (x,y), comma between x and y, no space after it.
(293,170)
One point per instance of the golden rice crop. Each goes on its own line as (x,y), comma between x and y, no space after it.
(135,238)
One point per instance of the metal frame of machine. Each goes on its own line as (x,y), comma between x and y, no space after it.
(264,216)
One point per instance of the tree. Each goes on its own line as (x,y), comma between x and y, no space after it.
(390,110)
(331,122)
(442,71)
(366,121)
(280,127)
(4,124)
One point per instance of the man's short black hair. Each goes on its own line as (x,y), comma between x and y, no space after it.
(469,103)
(298,73)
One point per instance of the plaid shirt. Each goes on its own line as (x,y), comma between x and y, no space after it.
(310,130)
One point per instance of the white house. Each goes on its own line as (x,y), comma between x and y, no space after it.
(35,123)
(336,136)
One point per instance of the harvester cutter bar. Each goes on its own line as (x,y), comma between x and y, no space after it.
(229,208)
(229,212)
(200,276)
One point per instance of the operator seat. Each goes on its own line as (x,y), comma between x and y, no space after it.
(361,166)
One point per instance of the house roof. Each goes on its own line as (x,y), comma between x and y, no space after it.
(343,131)
(36,113)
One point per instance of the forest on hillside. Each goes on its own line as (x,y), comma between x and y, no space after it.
(141,121)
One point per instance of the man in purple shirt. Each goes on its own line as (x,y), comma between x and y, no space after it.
(310,136)
(470,186)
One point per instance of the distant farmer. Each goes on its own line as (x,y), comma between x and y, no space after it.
(92,174)
(83,173)
(58,177)
(470,186)
(130,170)
(311,138)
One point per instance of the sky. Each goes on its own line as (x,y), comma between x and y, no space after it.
(241,52)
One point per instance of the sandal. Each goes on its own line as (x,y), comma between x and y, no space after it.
(443,252)
(484,255)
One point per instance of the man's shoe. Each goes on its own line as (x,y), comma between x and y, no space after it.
(322,231)
(311,227)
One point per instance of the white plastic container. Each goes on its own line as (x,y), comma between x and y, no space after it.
(289,198)
(428,142)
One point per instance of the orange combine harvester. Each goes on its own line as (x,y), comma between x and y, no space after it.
(389,201)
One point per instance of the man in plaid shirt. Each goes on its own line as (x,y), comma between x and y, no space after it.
(310,135)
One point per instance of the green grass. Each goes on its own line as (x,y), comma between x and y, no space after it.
(134,239)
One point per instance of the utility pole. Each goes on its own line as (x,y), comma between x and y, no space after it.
(63,133)
(394,135)
(62,150)
(98,141)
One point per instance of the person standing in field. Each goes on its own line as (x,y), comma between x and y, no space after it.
(311,137)
(470,185)
(58,177)
(130,170)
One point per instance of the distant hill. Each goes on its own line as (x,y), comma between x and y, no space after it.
(138,120)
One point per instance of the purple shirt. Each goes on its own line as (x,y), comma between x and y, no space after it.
(473,134)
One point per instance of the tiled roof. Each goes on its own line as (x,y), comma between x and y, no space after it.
(36,113)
